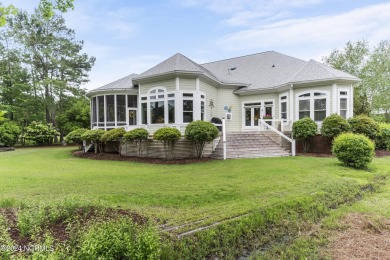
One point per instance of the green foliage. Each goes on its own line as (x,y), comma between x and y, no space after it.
(169,136)
(201,132)
(353,150)
(75,137)
(41,133)
(120,239)
(2,114)
(383,140)
(94,136)
(5,12)
(113,135)
(364,125)
(48,7)
(31,220)
(9,133)
(334,125)
(75,117)
(303,129)
(137,135)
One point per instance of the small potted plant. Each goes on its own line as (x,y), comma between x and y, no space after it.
(268,116)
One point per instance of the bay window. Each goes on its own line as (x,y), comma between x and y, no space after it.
(313,105)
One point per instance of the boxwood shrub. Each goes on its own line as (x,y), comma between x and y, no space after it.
(114,135)
(364,125)
(74,137)
(137,136)
(94,136)
(201,132)
(353,150)
(383,140)
(169,136)
(334,125)
(303,129)
(9,133)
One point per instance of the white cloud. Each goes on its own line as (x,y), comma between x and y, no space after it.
(371,22)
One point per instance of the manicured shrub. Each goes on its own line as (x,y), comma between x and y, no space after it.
(94,136)
(364,125)
(303,129)
(169,136)
(334,125)
(9,133)
(201,132)
(383,140)
(353,150)
(74,137)
(120,239)
(137,136)
(41,133)
(115,136)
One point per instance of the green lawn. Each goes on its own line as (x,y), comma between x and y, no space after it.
(177,194)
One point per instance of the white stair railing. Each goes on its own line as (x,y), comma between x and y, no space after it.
(263,125)
(224,138)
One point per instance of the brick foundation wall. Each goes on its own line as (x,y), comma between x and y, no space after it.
(317,144)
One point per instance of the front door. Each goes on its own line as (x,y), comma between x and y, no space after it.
(252,115)
(132,116)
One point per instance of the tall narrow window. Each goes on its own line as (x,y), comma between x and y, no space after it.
(171,111)
(157,112)
(144,113)
(304,108)
(343,104)
(283,107)
(188,111)
(202,110)
(319,109)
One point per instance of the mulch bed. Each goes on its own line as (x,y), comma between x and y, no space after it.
(6,149)
(116,157)
(364,239)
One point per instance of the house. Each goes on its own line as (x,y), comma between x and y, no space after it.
(272,86)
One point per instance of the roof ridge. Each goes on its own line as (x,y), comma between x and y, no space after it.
(135,74)
(247,55)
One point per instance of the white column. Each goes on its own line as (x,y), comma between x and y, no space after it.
(115,111)
(335,99)
(350,112)
(178,103)
(197,113)
(139,112)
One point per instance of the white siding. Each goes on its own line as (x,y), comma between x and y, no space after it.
(187,84)
(169,84)
(211,93)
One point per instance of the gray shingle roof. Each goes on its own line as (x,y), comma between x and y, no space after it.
(176,63)
(252,72)
(123,83)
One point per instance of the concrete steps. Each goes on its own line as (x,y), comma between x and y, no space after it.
(249,145)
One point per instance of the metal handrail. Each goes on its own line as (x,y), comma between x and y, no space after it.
(270,127)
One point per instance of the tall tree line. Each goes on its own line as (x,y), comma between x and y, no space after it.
(42,70)
(372,66)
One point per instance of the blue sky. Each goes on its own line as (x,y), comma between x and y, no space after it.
(131,36)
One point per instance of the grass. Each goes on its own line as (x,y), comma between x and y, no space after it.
(285,197)
(173,193)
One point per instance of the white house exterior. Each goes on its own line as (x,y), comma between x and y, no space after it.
(242,90)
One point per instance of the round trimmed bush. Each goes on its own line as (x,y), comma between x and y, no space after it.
(169,136)
(364,125)
(113,135)
(303,129)
(201,132)
(74,137)
(41,133)
(94,136)
(334,125)
(137,135)
(353,150)
(9,133)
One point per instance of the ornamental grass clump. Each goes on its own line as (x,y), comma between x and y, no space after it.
(74,137)
(137,136)
(201,132)
(353,150)
(303,129)
(169,136)
(364,125)
(334,125)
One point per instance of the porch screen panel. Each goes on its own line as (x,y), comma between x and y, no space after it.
(101,110)
(121,109)
(188,112)
(157,112)
(304,108)
(319,109)
(110,110)
(94,112)
(132,100)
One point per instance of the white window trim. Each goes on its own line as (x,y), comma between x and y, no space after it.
(262,111)
(287,101)
(311,98)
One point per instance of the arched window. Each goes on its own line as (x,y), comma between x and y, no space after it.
(314,104)
(161,107)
